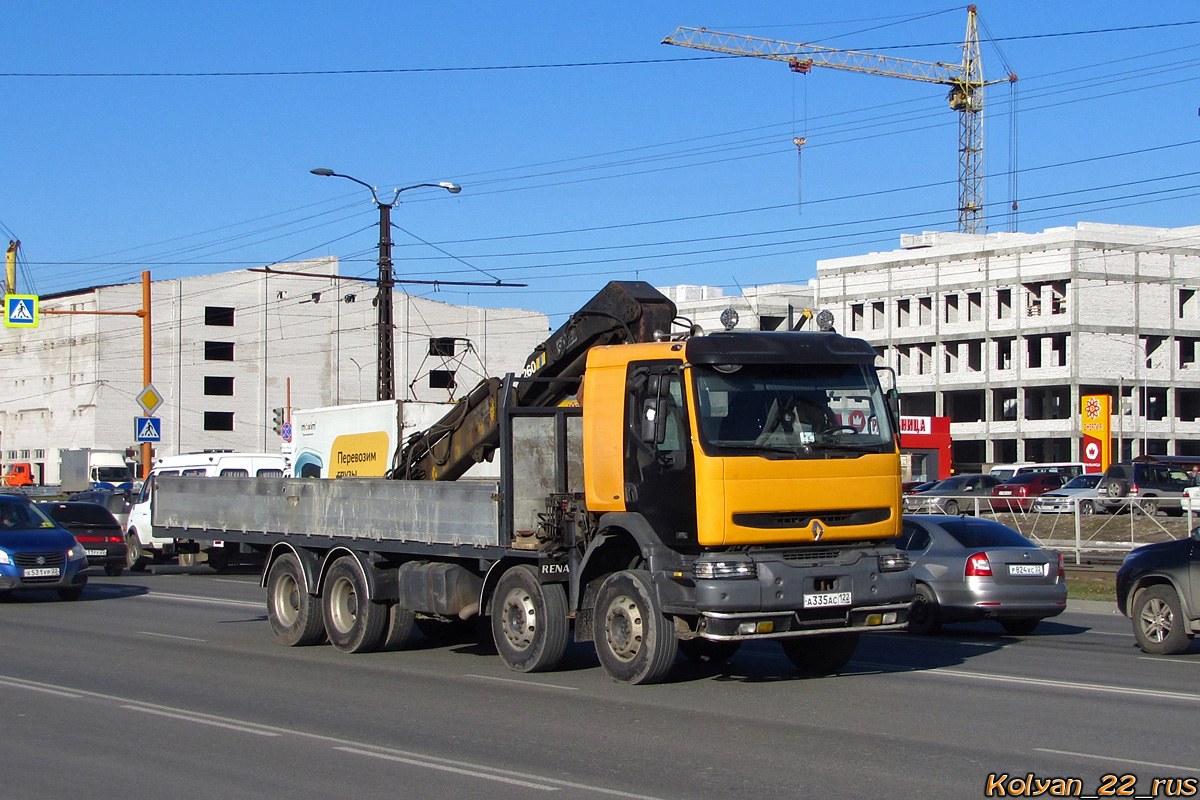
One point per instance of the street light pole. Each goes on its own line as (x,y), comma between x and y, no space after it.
(386,383)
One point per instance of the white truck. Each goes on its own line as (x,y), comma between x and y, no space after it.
(78,470)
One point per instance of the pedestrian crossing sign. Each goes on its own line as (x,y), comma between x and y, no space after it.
(147,429)
(20,310)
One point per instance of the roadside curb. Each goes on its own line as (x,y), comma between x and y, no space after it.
(1092,607)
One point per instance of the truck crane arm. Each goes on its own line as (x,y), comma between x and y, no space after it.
(621,312)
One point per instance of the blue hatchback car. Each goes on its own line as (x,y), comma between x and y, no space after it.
(35,553)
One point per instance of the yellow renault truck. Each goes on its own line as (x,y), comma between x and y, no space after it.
(658,494)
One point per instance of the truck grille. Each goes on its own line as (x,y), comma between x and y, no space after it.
(833,517)
(811,555)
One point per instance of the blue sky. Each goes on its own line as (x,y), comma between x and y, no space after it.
(651,162)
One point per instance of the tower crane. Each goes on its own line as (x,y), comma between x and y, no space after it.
(965,81)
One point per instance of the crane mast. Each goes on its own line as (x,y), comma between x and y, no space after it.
(965,81)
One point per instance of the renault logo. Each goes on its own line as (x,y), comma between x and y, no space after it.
(818,530)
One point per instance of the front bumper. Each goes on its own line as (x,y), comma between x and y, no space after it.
(74,573)
(102,554)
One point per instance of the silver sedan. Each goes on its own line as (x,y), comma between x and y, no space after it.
(970,569)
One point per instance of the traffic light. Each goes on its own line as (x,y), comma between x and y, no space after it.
(277,420)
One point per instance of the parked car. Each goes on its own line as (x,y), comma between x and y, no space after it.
(1079,491)
(97,529)
(118,502)
(35,553)
(1157,588)
(949,496)
(1017,493)
(912,487)
(1067,469)
(1144,487)
(970,569)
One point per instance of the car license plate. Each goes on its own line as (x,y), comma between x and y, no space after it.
(1004,492)
(41,572)
(827,599)
(96,552)
(1038,570)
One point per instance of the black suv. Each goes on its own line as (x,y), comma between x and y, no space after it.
(1157,588)
(1141,486)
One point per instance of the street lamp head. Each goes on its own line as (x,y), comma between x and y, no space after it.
(322,171)
(452,188)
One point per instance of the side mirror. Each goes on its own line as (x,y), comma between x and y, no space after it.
(654,420)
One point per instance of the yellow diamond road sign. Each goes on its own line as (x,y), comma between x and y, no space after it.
(149,399)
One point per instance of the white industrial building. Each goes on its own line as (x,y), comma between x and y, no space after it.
(1003,333)
(227,349)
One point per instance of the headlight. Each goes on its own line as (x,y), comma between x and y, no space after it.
(5,558)
(76,552)
(725,569)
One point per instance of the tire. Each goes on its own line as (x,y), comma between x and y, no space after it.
(815,656)
(924,617)
(401,628)
(952,508)
(294,614)
(1020,626)
(1087,508)
(529,621)
(353,622)
(71,594)
(135,559)
(708,650)
(635,641)
(113,570)
(1158,622)
(1149,506)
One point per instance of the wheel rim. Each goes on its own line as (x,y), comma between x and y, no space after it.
(343,605)
(952,508)
(287,600)
(1156,620)
(135,551)
(918,614)
(1086,508)
(623,629)
(519,616)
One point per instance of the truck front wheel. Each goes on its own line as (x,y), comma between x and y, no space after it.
(294,614)
(529,621)
(134,558)
(635,641)
(354,623)
(819,655)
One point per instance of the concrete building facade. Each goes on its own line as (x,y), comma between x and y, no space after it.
(227,349)
(1004,333)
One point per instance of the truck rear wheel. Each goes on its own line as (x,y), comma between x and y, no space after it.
(353,622)
(635,641)
(529,621)
(294,614)
(819,655)
(401,628)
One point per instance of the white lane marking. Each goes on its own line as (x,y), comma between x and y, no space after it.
(1043,682)
(473,773)
(36,688)
(1110,633)
(522,683)
(191,598)
(170,636)
(235,580)
(1176,767)
(189,717)
(335,741)
(1176,660)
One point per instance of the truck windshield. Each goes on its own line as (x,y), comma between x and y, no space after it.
(112,474)
(792,411)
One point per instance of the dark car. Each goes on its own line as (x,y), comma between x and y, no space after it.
(970,569)
(1159,589)
(954,494)
(117,501)
(35,553)
(1017,493)
(94,527)
(912,487)
(1147,488)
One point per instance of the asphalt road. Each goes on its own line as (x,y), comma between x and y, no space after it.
(170,685)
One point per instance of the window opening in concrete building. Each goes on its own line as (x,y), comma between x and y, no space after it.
(974,355)
(1004,348)
(221,316)
(1187,352)
(856,317)
(1058,297)
(1004,303)
(1155,352)
(1004,404)
(1033,352)
(1045,449)
(974,306)
(877,319)
(766,322)
(218,420)
(918,404)
(951,350)
(1004,451)
(442,346)
(1154,402)
(904,359)
(218,351)
(924,310)
(1033,299)
(925,359)
(903,312)
(1187,405)
(441,379)
(1187,304)
(951,308)
(1155,447)
(216,385)
(964,406)
(1187,447)
(967,455)
(1058,349)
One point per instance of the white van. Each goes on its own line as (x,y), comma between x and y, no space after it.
(1067,469)
(144,545)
